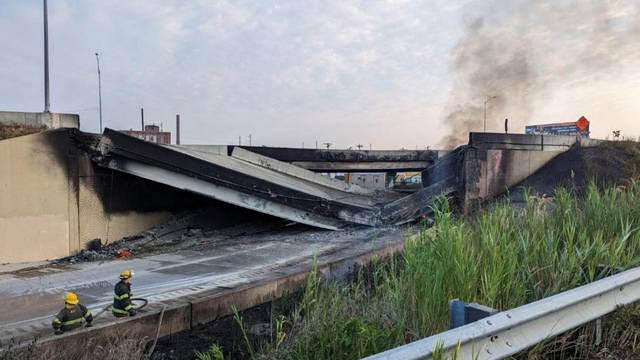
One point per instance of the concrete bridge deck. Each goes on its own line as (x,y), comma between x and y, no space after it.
(341,160)
(195,286)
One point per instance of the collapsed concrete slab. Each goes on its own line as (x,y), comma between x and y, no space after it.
(241,183)
(257,182)
(340,160)
(296,171)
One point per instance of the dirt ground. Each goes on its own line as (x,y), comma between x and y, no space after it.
(225,332)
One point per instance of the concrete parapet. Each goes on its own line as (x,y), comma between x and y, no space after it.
(527,141)
(37,119)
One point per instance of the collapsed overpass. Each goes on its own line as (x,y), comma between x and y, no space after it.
(63,188)
(240,177)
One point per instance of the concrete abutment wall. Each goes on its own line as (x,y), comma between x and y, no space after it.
(38,197)
(495,163)
(53,199)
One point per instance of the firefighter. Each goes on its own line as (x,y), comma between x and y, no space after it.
(72,316)
(122,298)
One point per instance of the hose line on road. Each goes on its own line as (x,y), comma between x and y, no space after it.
(108,307)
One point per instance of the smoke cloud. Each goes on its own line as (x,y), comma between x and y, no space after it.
(514,55)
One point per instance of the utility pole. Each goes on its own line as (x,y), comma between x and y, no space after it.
(46,58)
(239,140)
(249,139)
(142,118)
(485,111)
(100,90)
(316,143)
(359,146)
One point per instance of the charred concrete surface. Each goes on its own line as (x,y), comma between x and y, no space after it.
(335,160)
(193,287)
(249,180)
(239,183)
(527,142)
(491,164)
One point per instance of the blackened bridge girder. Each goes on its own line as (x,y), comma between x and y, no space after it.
(337,160)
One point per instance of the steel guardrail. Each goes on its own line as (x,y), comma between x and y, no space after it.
(511,331)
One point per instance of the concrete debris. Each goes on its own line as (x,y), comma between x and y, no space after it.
(89,255)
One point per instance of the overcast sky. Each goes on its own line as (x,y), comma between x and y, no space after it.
(287,72)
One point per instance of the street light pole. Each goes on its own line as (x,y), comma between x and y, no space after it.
(46,58)
(100,90)
(485,111)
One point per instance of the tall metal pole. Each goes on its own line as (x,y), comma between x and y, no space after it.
(46,59)
(100,91)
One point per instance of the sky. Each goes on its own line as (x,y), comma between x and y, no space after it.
(385,74)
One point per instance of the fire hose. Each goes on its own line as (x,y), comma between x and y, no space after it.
(108,307)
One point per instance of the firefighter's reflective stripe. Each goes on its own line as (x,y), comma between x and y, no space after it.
(57,324)
(121,297)
(88,314)
(120,311)
(72,322)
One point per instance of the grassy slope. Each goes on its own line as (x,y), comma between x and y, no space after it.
(504,258)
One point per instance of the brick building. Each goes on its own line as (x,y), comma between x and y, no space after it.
(151,133)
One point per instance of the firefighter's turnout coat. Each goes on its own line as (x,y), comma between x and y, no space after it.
(72,317)
(122,300)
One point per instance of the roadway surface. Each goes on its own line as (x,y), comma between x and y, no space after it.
(29,298)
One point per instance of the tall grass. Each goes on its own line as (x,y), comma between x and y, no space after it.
(504,257)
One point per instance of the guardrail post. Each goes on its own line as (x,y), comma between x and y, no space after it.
(456,313)
(461,313)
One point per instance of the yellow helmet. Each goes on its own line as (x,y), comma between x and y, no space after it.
(127,274)
(71,298)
